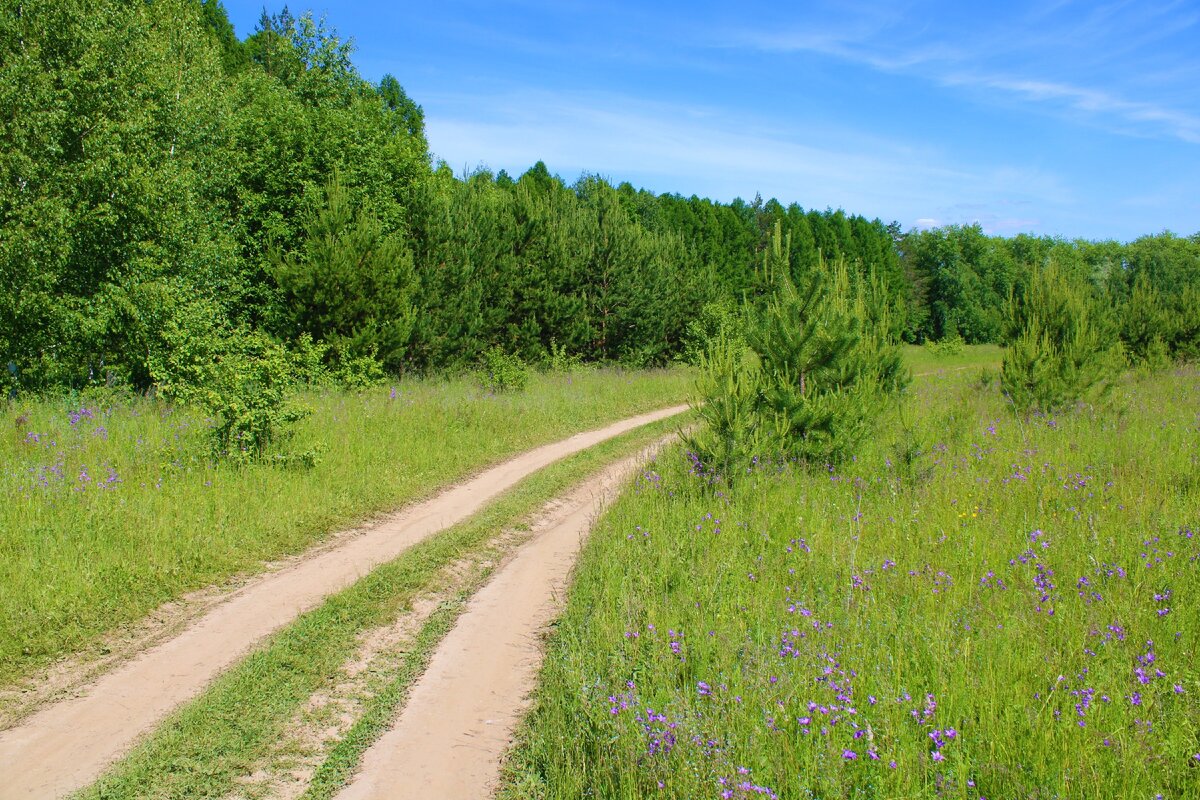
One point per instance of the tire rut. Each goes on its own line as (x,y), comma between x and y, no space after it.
(450,737)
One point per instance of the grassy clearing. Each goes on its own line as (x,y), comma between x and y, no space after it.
(109,508)
(203,750)
(979,606)
(923,360)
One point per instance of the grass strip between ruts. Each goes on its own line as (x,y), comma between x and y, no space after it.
(227,732)
(341,761)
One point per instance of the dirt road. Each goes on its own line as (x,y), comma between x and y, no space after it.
(66,746)
(459,718)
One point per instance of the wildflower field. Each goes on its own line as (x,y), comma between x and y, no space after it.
(112,505)
(979,605)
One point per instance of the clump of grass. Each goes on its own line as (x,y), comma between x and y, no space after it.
(1015,612)
(112,506)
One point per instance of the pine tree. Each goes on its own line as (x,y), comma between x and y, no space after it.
(350,284)
(1062,346)
(818,370)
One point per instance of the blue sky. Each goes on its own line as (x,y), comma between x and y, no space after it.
(1063,118)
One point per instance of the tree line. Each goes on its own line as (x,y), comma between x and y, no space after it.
(174,198)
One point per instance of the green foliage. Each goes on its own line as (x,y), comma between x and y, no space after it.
(147,148)
(561,360)
(360,372)
(827,370)
(233,53)
(241,379)
(309,361)
(818,374)
(349,285)
(716,320)
(502,372)
(963,278)
(950,346)
(1157,294)
(728,401)
(1063,348)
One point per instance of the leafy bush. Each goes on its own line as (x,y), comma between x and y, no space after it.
(1062,348)
(559,360)
(241,379)
(503,372)
(248,399)
(308,361)
(949,346)
(716,319)
(359,372)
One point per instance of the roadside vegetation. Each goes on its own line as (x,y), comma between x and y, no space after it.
(979,603)
(112,506)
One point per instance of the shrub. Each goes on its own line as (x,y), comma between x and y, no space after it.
(503,372)
(949,346)
(308,361)
(241,379)
(359,372)
(559,360)
(716,319)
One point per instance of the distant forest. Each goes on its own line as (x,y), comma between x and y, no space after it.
(170,193)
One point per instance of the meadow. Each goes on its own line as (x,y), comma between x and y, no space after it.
(980,604)
(112,505)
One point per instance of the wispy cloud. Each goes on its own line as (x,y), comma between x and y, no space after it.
(1179,124)
(1056,58)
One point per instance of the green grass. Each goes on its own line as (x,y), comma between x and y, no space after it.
(105,517)
(971,570)
(923,360)
(228,732)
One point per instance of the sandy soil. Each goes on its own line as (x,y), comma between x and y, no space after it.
(67,745)
(460,716)
(326,717)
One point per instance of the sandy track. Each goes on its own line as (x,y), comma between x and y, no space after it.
(66,746)
(460,715)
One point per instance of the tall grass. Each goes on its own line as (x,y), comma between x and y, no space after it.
(980,605)
(108,508)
